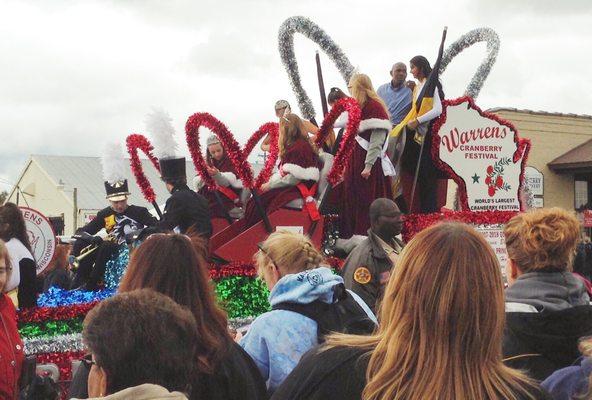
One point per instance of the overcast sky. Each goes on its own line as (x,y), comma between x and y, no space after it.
(77,74)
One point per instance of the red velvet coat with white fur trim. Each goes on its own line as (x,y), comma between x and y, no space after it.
(374,116)
(357,192)
(300,161)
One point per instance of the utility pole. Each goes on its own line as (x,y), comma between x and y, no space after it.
(75,214)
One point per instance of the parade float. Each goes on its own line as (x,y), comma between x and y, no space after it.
(480,152)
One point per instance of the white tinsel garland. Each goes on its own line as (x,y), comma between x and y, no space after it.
(54,344)
(467,40)
(313,32)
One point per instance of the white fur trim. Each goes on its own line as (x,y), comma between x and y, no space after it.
(234,181)
(375,123)
(304,174)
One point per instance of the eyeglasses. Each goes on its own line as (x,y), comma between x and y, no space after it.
(260,247)
(88,361)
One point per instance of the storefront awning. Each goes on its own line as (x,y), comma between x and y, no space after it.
(578,159)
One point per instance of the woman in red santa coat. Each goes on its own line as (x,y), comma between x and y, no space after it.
(230,187)
(299,170)
(367,177)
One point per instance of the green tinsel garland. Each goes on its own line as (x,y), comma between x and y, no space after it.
(51,328)
(242,296)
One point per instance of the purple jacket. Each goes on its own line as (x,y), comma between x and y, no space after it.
(568,382)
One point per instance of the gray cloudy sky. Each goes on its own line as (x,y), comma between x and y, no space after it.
(77,74)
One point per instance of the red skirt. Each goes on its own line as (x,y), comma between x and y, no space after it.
(356,194)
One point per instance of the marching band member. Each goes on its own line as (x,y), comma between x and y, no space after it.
(118,220)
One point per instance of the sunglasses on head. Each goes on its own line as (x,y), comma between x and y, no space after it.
(265,253)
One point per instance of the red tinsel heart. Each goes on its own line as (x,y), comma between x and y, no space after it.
(237,156)
(134,143)
(354,115)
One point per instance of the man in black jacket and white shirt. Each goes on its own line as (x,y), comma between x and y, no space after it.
(118,220)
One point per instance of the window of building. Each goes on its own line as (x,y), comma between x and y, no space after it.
(583,192)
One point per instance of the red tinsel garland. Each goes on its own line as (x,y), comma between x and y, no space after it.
(62,360)
(134,143)
(415,223)
(61,313)
(354,115)
(232,269)
(271,128)
(231,147)
(522,147)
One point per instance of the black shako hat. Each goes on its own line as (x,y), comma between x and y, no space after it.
(117,190)
(172,168)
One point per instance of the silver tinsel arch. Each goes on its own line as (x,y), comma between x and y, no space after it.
(487,35)
(312,31)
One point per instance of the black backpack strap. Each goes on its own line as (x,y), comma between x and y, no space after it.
(312,310)
(343,315)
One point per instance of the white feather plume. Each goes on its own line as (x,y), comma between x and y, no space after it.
(113,163)
(160,128)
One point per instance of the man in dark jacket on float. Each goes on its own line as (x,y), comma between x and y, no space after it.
(185,210)
(368,267)
(118,220)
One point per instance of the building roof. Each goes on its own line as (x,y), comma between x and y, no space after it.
(85,174)
(578,158)
(551,114)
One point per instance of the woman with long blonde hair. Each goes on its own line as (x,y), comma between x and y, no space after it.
(440,332)
(367,176)
(299,165)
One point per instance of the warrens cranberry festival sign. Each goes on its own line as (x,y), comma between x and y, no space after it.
(41,237)
(483,154)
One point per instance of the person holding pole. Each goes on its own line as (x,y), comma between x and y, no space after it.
(297,175)
(417,156)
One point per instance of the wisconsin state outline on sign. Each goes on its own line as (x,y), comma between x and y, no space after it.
(482,153)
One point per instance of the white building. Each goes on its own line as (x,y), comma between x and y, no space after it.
(72,188)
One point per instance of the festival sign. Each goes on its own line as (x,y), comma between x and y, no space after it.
(41,237)
(494,234)
(483,154)
(535,181)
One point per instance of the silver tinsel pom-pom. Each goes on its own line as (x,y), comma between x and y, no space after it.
(54,344)
(313,32)
(467,40)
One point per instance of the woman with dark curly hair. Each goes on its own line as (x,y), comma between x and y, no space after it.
(24,270)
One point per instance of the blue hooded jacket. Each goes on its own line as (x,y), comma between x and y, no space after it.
(277,339)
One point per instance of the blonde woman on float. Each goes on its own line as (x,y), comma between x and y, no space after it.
(439,337)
